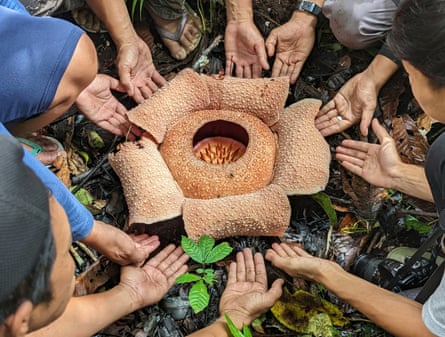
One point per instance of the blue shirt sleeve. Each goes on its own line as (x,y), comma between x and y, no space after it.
(81,220)
(14,5)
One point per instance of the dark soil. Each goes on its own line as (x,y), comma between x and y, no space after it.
(369,219)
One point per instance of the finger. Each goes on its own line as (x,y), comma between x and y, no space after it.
(256,71)
(125,79)
(349,146)
(293,74)
(300,251)
(161,256)
(379,130)
(137,96)
(158,79)
(249,265)
(146,92)
(275,291)
(278,249)
(247,72)
(262,56)
(271,42)
(229,67)
(276,68)
(176,265)
(231,278)
(240,267)
(288,250)
(284,69)
(326,108)
(260,269)
(367,115)
(152,86)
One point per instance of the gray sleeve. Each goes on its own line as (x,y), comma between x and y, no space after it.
(433,311)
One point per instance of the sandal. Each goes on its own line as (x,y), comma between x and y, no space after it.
(88,21)
(36,149)
(181,42)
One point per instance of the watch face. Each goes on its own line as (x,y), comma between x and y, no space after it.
(309,7)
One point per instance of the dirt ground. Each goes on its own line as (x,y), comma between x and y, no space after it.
(370,220)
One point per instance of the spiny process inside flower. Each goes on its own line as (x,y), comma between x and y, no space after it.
(219,150)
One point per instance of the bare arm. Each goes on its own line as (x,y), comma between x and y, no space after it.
(137,72)
(357,99)
(380,165)
(396,314)
(243,42)
(138,287)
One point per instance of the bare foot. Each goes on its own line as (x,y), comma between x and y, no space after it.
(180,36)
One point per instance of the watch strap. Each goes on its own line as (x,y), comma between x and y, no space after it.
(309,7)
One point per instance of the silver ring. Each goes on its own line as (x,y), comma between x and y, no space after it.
(340,118)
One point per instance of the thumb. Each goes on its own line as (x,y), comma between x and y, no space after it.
(271,42)
(379,130)
(276,290)
(261,52)
(366,121)
(125,81)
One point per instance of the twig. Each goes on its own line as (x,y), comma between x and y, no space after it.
(87,251)
(203,59)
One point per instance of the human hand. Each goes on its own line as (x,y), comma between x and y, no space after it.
(100,106)
(149,283)
(291,43)
(246,295)
(355,101)
(245,52)
(137,73)
(376,163)
(120,247)
(295,261)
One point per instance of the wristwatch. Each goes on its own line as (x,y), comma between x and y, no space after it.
(309,7)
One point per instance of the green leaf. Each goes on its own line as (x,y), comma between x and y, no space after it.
(419,226)
(187,278)
(232,328)
(325,202)
(205,244)
(199,297)
(209,276)
(246,331)
(218,253)
(83,196)
(191,249)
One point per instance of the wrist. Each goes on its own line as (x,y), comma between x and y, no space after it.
(380,70)
(304,18)
(238,11)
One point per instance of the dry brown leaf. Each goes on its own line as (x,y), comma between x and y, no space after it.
(411,145)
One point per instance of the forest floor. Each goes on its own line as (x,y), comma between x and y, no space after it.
(367,219)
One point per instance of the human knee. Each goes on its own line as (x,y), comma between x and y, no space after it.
(358,24)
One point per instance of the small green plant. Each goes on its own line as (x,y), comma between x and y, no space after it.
(204,252)
(233,329)
(134,4)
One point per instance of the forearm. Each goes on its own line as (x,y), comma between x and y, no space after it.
(86,315)
(411,179)
(394,313)
(239,10)
(381,69)
(302,16)
(114,14)
(216,329)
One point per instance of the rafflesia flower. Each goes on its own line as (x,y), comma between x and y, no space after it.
(224,154)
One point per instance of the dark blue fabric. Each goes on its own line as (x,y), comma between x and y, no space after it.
(435,171)
(34,54)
